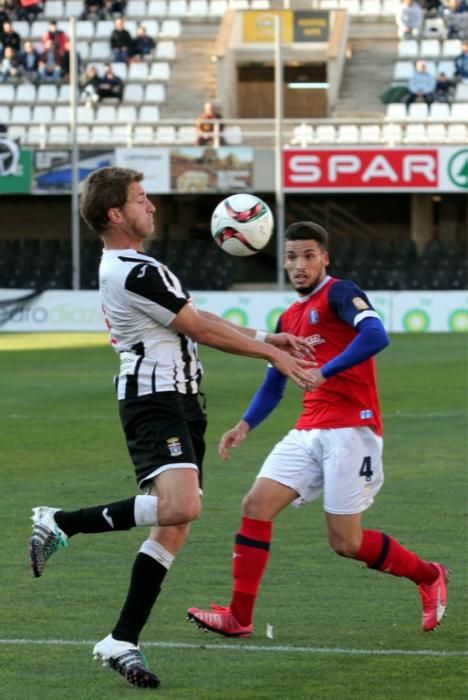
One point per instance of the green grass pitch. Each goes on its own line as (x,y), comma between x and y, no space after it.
(340,631)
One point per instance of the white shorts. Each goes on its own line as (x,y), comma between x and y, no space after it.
(343,463)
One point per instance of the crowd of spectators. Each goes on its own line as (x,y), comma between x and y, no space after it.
(48,60)
(453,16)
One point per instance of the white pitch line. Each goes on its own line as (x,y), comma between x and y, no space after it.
(247,647)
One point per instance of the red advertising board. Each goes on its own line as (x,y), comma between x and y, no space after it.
(361,169)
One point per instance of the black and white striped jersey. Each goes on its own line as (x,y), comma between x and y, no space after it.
(140,298)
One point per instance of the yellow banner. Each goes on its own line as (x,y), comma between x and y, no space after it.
(259,26)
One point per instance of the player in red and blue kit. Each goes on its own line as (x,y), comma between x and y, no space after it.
(335,448)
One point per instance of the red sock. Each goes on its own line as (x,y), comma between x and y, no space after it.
(250,558)
(379,551)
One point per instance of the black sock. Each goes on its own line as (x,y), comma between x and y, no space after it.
(145,584)
(105,518)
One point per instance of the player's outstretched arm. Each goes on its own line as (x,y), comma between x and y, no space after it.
(232,438)
(299,347)
(228,339)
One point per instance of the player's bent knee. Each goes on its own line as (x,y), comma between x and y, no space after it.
(343,547)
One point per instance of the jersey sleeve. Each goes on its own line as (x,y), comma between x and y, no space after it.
(350,303)
(158,292)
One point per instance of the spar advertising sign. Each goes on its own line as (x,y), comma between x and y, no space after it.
(430,169)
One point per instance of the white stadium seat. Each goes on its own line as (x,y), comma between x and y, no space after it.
(198,8)
(430,48)
(101,133)
(187,135)
(435,133)
(41,114)
(165,50)
(64,93)
(157,8)
(160,71)
(415,133)
(395,111)
(447,67)
(439,111)
(177,8)
(303,135)
(138,71)
(126,114)
(391,133)
(100,51)
(166,135)
(347,133)
(58,134)
(120,69)
(25,92)
(143,135)
(61,114)
(408,48)
(451,48)
(54,8)
(403,70)
(20,114)
(134,93)
(5,116)
(135,8)
(325,133)
(149,114)
(418,111)
(7,94)
(47,93)
(104,29)
(74,8)
(459,112)
(105,114)
(171,28)
(85,29)
(218,8)
(456,133)
(154,92)
(370,133)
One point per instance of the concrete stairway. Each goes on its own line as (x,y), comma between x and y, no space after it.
(193,73)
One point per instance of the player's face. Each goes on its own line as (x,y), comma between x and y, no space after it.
(306,263)
(138,213)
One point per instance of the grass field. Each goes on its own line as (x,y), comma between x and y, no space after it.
(340,631)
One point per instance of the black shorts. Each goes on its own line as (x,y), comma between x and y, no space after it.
(163,429)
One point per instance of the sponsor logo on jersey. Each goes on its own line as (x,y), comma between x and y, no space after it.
(359,303)
(315,339)
(174,446)
(365,415)
(313,316)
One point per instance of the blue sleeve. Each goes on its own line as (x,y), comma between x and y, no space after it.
(371,338)
(266,398)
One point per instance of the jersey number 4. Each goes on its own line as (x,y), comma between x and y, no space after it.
(366,469)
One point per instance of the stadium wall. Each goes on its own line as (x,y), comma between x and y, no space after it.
(401,312)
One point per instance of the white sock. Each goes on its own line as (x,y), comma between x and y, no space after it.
(157,551)
(146,510)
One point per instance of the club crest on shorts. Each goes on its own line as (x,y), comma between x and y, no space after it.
(174,446)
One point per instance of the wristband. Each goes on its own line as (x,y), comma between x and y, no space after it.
(260,336)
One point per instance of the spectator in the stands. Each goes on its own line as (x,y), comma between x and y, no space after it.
(206,128)
(461,64)
(410,19)
(114,8)
(120,42)
(456,19)
(421,85)
(29,61)
(9,66)
(56,36)
(8,37)
(30,10)
(48,70)
(432,8)
(93,9)
(110,85)
(89,85)
(444,89)
(65,62)
(143,45)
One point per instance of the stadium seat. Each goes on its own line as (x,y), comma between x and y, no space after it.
(85,115)
(7,94)
(160,71)
(435,133)
(157,8)
(232,135)
(370,133)
(177,8)
(100,51)
(370,8)
(63,94)
(429,48)
(41,114)
(439,111)
(447,67)
(395,111)
(82,134)
(451,48)
(16,131)
(415,133)
(260,5)
(61,114)
(126,114)
(303,135)
(170,28)
(154,92)
(58,135)
(218,8)
(391,134)
(418,111)
(461,93)
(149,114)
(198,8)
(36,135)
(136,8)
(120,69)
(122,134)
(23,28)
(133,93)
(20,114)
(165,50)
(85,29)
(347,133)
(239,4)
(143,135)
(403,70)
(105,114)
(408,48)
(434,27)
(38,28)
(101,133)
(74,8)
(47,93)
(165,135)
(138,71)
(83,50)
(187,135)
(104,29)
(25,92)
(5,116)
(325,133)
(54,8)
(458,112)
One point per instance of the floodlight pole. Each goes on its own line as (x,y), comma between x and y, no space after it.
(279,192)
(75,215)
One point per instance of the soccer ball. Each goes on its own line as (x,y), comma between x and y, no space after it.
(242,224)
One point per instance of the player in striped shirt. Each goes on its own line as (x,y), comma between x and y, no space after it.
(335,448)
(154,328)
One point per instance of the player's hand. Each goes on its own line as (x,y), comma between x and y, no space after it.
(295,368)
(315,379)
(296,346)
(232,438)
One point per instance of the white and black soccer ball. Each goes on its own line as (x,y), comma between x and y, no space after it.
(242,224)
